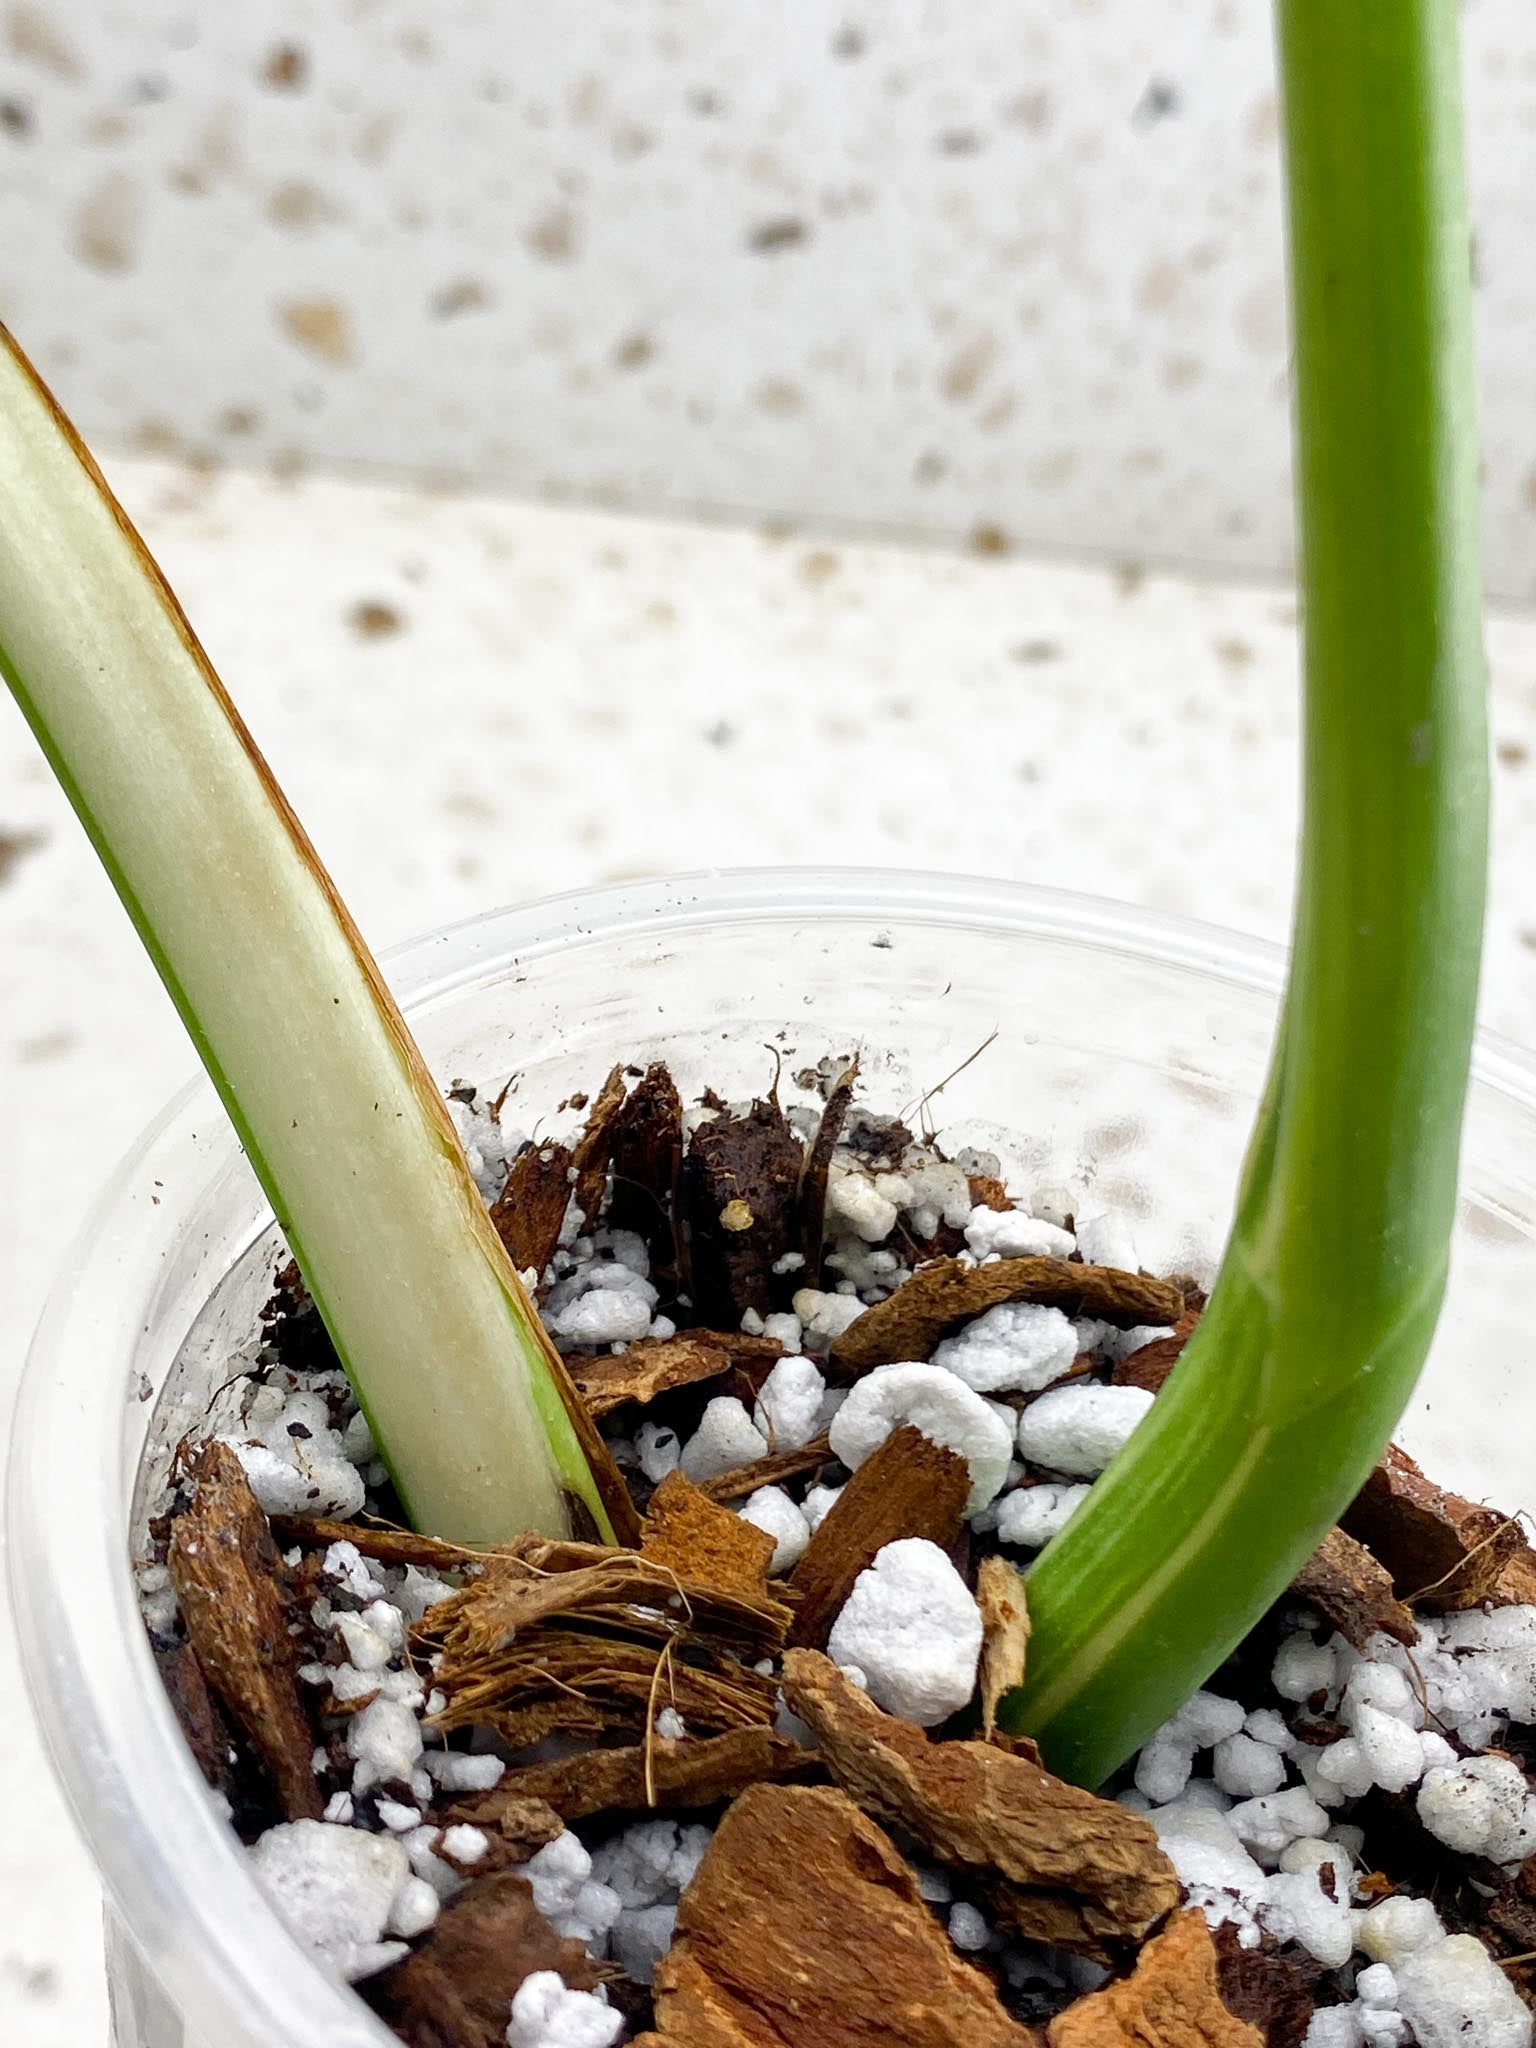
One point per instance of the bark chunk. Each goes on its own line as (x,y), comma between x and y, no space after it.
(677,1777)
(697,1538)
(908,1486)
(804,1929)
(646,1162)
(1058,1864)
(594,1148)
(770,1471)
(1170,2000)
(576,1639)
(947,1292)
(813,1178)
(1349,1588)
(657,1365)
(456,1989)
(1443,1552)
(741,1192)
(224,1567)
(531,1207)
(1004,1636)
(1150,1366)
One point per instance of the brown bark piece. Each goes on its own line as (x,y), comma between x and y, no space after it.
(741,1189)
(804,1929)
(946,1292)
(1150,1366)
(1170,2000)
(592,1150)
(909,1486)
(1059,1864)
(1516,1584)
(1004,1636)
(1272,1992)
(1443,1552)
(695,1537)
(456,1989)
(1349,1588)
(813,1177)
(646,1162)
(521,1822)
(207,1734)
(651,1366)
(530,1209)
(770,1471)
(680,1776)
(378,1540)
(224,1565)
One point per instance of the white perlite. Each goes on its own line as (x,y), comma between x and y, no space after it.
(1454,1994)
(936,1193)
(547,2014)
(384,1742)
(825,1316)
(1108,1241)
(968,1929)
(456,1772)
(784,1328)
(604,1304)
(296,1463)
(658,1450)
(818,1504)
(340,1891)
(941,1406)
(865,1204)
(1396,1929)
(1306,1901)
(1482,1807)
(648,1866)
(788,1407)
(1416,1985)
(772,1510)
(913,1629)
(1011,1234)
(1016,1347)
(1031,1515)
(1246,1768)
(725,1438)
(573,1902)
(1078,1430)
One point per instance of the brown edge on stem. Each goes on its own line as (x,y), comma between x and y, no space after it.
(605,1474)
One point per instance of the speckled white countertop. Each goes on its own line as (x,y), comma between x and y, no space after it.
(471,702)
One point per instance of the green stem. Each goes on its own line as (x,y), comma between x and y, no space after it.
(1332,1281)
(353,1144)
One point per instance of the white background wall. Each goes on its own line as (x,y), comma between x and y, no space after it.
(928,265)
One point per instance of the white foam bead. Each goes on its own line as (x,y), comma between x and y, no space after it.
(912,1627)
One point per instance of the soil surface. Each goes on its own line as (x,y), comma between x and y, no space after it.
(747,1779)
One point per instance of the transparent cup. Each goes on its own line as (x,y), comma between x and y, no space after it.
(1124,1052)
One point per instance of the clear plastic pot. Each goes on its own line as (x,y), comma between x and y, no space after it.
(1123,1056)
